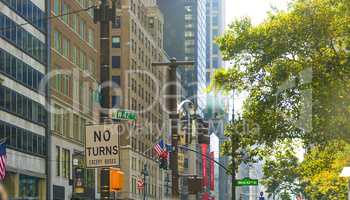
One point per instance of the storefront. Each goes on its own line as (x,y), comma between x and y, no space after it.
(21,186)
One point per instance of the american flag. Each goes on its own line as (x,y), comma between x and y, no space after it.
(2,161)
(159,147)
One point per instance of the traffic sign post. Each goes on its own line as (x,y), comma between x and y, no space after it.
(123,115)
(102,145)
(246,182)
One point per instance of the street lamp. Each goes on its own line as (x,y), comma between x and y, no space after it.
(145,174)
(167,181)
(346,174)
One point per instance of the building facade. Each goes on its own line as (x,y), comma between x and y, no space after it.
(185,39)
(137,42)
(74,76)
(215,27)
(23,117)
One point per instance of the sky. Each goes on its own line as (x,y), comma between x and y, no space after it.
(257,11)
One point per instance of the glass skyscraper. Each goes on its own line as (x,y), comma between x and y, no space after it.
(23,117)
(185,38)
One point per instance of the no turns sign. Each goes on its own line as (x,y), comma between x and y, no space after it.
(102,145)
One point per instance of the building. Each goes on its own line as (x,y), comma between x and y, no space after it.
(23,117)
(185,39)
(215,27)
(137,42)
(74,76)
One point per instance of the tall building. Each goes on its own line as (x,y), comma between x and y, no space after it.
(185,38)
(23,117)
(215,27)
(74,63)
(137,42)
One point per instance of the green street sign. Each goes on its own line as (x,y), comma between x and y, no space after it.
(123,115)
(246,182)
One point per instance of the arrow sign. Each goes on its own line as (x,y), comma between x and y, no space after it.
(246,182)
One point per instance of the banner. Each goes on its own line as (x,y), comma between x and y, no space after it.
(204,165)
(212,174)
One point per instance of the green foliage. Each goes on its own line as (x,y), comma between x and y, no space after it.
(321,169)
(280,171)
(296,68)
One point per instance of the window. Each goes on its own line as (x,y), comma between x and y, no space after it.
(66,163)
(82,60)
(18,104)
(116,101)
(66,10)
(58,161)
(58,41)
(91,38)
(57,119)
(116,80)
(66,124)
(57,7)
(66,47)
(82,130)
(82,29)
(115,61)
(22,139)
(117,22)
(76,127)
(116,42)
(74,24)
(75,55)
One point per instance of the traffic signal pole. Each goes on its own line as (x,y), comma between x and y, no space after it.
(171,101)
(104,15)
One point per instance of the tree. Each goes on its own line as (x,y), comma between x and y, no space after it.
(321,168)
(281,177)
(295,67)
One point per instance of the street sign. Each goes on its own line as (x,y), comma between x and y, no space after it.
(102,145)
(246,182)
(123,115)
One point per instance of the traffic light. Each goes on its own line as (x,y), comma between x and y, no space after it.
(163,164)
(163,160)
(116,180)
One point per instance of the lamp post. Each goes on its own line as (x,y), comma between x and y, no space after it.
(145,174)
(167,180)
(346,174)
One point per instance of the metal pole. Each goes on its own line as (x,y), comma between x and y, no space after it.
(233,187)
(172,107)
(105,15)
